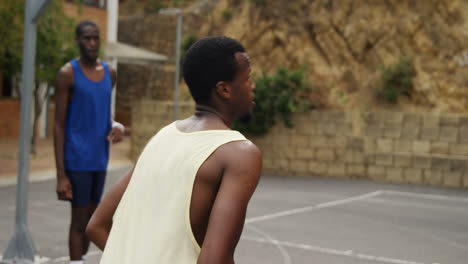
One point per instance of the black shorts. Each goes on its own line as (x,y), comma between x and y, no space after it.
(87,186)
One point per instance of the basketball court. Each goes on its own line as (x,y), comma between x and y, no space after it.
(299,220)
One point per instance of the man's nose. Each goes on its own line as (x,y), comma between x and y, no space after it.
(93,42)
(252,84)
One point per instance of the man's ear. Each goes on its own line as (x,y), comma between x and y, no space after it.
(223,89)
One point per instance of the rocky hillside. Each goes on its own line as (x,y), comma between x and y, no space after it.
(344,44)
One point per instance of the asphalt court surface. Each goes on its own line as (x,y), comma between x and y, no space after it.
(293,220)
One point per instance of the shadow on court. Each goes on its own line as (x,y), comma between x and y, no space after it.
(299,220)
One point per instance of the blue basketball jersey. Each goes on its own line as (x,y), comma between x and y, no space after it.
(88,122)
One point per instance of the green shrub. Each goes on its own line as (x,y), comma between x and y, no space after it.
(397,79)
(186,42)
(277,96)
(227,14)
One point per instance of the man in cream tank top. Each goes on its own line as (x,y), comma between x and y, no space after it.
(185,200)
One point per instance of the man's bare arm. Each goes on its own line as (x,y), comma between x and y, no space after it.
(100,224)
(238,183)
(63,86)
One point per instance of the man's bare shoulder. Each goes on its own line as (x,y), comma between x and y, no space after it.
(240,153)
(66,70)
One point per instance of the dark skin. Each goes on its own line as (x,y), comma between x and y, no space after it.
(224,183)
(88,42)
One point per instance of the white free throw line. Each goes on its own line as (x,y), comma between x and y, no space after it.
(311,208)
(427,196)
(284,252)
(330,251)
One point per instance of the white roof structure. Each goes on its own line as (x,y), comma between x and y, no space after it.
(126,53)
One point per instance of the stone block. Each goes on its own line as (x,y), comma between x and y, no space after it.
(376,118)
(449,120)
(452,178)
(413,175)
(369,158)
(463,135)
(325,154)
(305,153)
(328,129)
(403,145)
(307,128)
(318,168)
(336,170)
(395,175)
(267,162)
(337,142)
(458,164)
(384,159)
(439,147)
(412,119)
(315,116)
(448,134)
(421,162)
(392,130)
(299,166)
(284,164)
(370,145)
(465,179)
(463,120)
(299,140)
(433,177)
(317,141)
(354,157)
(459,149)
(384,145)
(356,171)
(394,118)
(403,161)
(275,165)
(410,131)
(420,146)
(376,173)
(430,120)
(356,144)
(374,131)
(441,164)
(430,133)
(281,140)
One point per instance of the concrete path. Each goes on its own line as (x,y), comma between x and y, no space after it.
(298,220)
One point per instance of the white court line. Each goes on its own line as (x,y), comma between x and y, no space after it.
(427,196)
(284,253)
(330,251)
(312,208)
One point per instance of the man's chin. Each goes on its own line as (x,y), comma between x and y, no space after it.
(246,118)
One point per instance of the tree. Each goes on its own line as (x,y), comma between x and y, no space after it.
(54,47)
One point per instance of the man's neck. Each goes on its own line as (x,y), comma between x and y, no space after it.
(88,63)
(209,111)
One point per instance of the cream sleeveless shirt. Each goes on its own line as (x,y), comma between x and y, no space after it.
(152,221)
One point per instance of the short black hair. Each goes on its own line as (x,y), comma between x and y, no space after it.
(208,61)
(83,24)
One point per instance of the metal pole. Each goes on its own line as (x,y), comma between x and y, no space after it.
(177,64)
(21,246)
(112,25)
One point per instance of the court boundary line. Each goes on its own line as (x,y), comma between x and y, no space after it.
(312,208)
(284,253)
(330,251)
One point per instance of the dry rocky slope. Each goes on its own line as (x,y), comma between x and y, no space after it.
(343,43)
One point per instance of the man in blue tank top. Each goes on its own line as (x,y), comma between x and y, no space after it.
(82,133)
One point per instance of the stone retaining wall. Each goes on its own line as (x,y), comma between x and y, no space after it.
(383,146)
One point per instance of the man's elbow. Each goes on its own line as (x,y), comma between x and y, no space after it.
(91,230)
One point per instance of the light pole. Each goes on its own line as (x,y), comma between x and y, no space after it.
(178,12)
(21,247)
